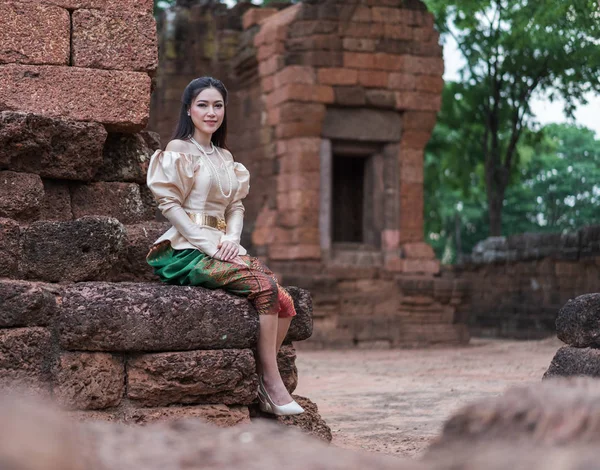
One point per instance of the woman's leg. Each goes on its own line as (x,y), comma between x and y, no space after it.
(282,328)
(267,357)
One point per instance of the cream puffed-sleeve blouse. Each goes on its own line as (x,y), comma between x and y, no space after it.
(183,183)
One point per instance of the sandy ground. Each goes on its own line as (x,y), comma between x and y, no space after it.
(395,401)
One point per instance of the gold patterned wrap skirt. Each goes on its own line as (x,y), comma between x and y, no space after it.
(194,268)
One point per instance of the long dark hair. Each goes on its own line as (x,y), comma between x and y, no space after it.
(185,126)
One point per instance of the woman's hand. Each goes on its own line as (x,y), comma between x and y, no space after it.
(228,251)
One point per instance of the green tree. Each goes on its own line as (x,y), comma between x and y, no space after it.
(512,50)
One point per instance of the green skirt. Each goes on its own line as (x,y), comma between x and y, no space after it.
(194,268)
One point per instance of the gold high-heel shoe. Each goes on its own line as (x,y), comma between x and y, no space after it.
(266,403)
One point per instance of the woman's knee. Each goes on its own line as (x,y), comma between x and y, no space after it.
(268,297)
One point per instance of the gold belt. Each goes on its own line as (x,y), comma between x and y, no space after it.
(199,218)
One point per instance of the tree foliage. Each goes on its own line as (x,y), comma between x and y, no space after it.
(512,50)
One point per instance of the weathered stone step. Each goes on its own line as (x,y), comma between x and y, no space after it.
(141,317)
(578,321)
(569,362)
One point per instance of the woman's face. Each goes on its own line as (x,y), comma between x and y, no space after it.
(208,110)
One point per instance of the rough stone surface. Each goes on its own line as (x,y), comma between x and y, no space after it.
(302,324)
(554,412)
(76,250)
(120,100)
(9,248)
(50,147)
(154,317)
(49,44)
(362,124)
(578,322)
(21,195)
(115,39)
(126,158)
(26,359)
(132,265)
(25,303)
(62,444)
(570,361)
(286,361)
(57,201)
(89,381)
(220,415)
(135,5)
(310,421)
(123,201)
(222,376)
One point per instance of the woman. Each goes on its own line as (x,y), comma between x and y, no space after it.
(199,189)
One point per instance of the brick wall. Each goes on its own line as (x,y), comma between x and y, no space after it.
(519,283)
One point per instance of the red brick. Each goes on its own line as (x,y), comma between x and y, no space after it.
(256,15)
(419,120)
(293,111)
(359,44)
(144,6)
(117,40)
(386,15)
(423,34)
(418,101)
(398,31)
(299,146)
(401,81)
(338,76)
(417,251)
(316,42)
(266,51)
(423,65)
(275,27)
(297,199)
(361,14)
(298,218)
(268,83)
(299,181)
(429,83)
(359,60)
(119,100)
(288,130)
(357,30)
(385,61)
(270,66)
(295,74)
(34,34)
(414,139)
(373,79)
(293,163)
(270,34)
(431,266)
(294,252)
(301,92)
(390,239)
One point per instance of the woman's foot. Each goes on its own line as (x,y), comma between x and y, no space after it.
(268,405)
(276,390)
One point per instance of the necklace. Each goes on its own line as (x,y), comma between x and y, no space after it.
(212,147)
(214,168)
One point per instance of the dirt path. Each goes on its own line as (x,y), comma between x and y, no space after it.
(396,401)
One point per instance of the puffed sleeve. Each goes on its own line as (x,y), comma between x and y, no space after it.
(171,178)
(234,213)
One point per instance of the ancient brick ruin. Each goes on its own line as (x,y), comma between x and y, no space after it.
(76,221)
(519,283)
(332,103)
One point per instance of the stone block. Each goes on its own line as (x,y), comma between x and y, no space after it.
(220,415)
(134,5)
(116,39)
(286,361)
(349,95)
(29,143)
(295,74)
(402,81)
(302,325)
(155,317)
(21,195)
(429,83)
(119,100)
(570,362)
(226,376)
(255,16)
(25,303)
(88,381)
(362,124)
(380,99)
(76,250)
(49,44)
(132,265)
(418,101)
(337,76)
(300,92)
(9,248)
(373,78)
(56,204)
(419,250)
(26,359)
(577,323)
(123,201)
